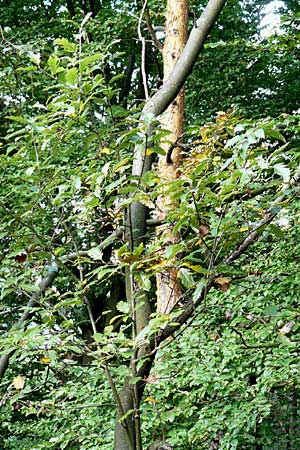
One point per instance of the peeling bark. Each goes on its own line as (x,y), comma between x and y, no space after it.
(168,286)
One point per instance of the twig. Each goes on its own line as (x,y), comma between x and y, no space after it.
(151,30)
(143,62)
(44,285)
(269,216)
(271,345)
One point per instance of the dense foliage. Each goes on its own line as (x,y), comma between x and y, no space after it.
(71,96)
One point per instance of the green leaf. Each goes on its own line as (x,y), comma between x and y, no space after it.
(89,60)
(277,231)
(283,171)
(186,277)
(145,281)
(71,76)
(53,63)
(200,285)
(173,250)
(275,134)
(95,253)
(68,46)
(123,307)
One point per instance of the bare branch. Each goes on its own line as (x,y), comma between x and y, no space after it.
(143,41)
(151,30)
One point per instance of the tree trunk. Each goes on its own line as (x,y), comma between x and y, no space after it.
(168,287)
(125,430)
(128,437)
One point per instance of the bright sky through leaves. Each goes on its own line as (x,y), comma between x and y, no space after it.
(271,21)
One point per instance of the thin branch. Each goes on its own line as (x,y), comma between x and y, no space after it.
(143,41)
(271,345)
(118,233)
(172,147)
(151,30)
(44,285)
(269,216)
(251,238)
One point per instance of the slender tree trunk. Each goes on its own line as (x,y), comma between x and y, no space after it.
(127,437)
(168,287)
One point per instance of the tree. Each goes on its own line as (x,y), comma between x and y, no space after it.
(93,312)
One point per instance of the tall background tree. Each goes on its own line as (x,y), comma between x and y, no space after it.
(81,339)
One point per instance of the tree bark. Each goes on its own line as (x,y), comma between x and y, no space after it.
(130,396)
(168,286)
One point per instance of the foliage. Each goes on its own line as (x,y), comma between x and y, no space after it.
(227,379)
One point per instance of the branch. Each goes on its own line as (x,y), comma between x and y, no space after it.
(251,193)
(151,30)
(143,42)
(190,308)
(44,285)
(163,98)
(270,345)
(169,90)
(118,233)
(269,216)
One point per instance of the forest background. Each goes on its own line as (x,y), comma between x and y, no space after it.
(149,236)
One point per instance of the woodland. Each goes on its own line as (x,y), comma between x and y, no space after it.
(150,221)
